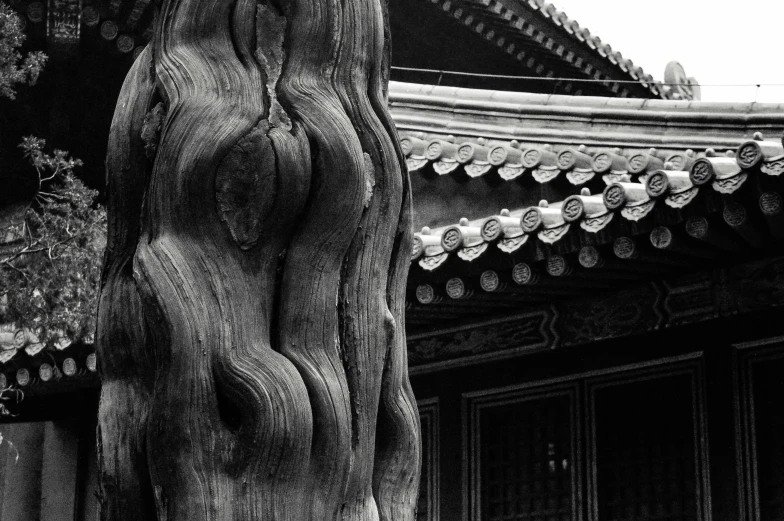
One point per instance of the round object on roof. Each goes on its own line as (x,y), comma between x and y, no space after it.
(489,281)
(749,154)
(674,72)
(558,266)
(22,377)
(531,220)
(661,237)
(406,146)
(466,152)
(90,16)
(734,214)
(91,363)
(639,162)
(455,288)
(601,163)
(624,248)
(69,367)
(697,227)
(614,196)
(137,51)
(682,86)
(566,159)
(523,274)
(19,338)
(657,184)
(589,257)
(701,172)
(679,161)
(45,372)
(125,43)
(425,294)
(770,203)
(532,158)
(497,155)
(434,150)
(109,30)
(573,208)
(452,239)
(417,248)
(35,12)
(491,229)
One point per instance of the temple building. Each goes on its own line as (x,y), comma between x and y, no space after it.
(595,285)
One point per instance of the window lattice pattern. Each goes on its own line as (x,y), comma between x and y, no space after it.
(526,461)
(646,469)
(769,426)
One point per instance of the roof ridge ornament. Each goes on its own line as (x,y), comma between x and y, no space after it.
(679,86)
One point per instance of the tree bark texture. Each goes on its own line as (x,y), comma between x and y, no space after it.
(251,332)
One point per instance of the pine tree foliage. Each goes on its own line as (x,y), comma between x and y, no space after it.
(15,69)
(49,282)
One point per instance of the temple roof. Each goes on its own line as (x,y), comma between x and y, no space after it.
(559,119)
(536,206)
(522,37)
(526,198)
(547,43)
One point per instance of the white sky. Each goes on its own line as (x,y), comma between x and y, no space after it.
(719,42)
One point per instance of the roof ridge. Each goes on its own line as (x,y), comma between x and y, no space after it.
(468,96)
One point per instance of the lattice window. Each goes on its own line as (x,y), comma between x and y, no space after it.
(646,468)
(768,387)
(427,504)
(526,461)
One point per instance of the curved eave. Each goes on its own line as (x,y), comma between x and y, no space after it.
(548,43)
(677,187)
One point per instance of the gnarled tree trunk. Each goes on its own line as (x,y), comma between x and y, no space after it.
(251,336)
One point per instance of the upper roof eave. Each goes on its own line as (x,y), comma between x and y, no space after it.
(569,119)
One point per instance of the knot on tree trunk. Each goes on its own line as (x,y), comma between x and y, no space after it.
(246,187)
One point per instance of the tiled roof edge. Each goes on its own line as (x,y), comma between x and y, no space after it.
(512,102)
(593,44)
(516,26)
(569,119)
